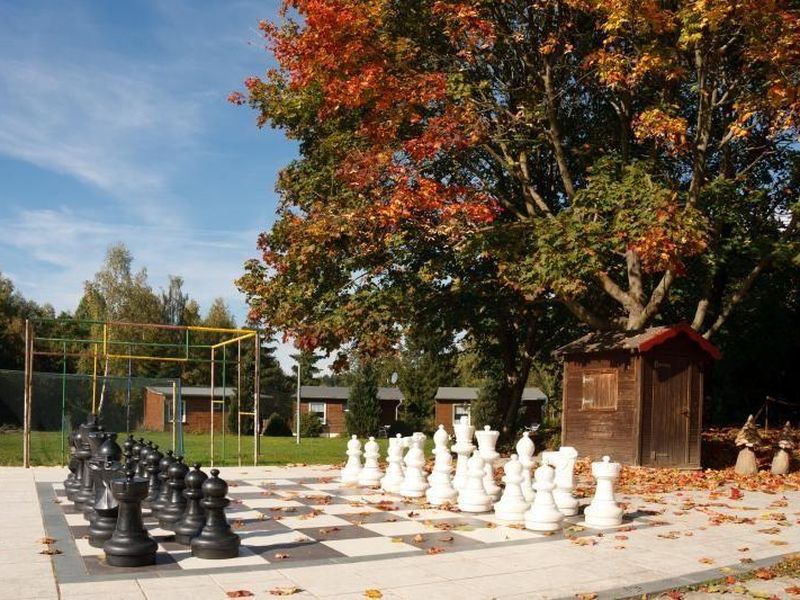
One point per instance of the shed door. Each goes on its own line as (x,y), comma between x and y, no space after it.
(670,411)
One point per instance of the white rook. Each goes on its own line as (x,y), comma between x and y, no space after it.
(604,510)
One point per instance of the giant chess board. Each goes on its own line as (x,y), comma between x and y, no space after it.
(294,522)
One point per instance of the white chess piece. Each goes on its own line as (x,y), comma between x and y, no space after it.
(525,450)
(472,497)
(441,489)
(543,515)
(440,439)
(414,484)
(512,505)
(565,481)
(371,473)
(487,440)
(604,510)
(393,479)
(463,449)
(352,469)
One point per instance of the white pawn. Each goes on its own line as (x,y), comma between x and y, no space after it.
(463,448)
(543,514)
(565,481)
(371,473)
(472,497)
(440,439)
(352,469)
(525,450)
(393,479)
(512,506)
(441,490)
(487,440)
(604,510)
(414,484)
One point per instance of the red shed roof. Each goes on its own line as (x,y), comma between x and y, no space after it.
(641,341)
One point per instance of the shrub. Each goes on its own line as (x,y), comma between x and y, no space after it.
(310,425)
(276,426)
(363,408)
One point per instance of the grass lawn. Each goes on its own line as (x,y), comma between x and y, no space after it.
(46,449)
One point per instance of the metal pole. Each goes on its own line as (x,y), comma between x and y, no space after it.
(239,401)
(26,459)
(63,398)
(174,416)
(257,400)
(211,451)
(94,380)
(297,404)
(128,399)
(224,395)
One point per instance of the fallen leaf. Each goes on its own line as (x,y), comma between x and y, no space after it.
(778,543)
(793,590)
(285,591)
(447,538)
(706,561)
(327,530)
(239,594)
(281,556)
(435,550)
(50,551)
(373,593)
(47,540)
(584,541)
(586,596)
(765,574)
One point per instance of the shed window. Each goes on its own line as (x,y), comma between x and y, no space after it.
(319,409)
(460,410)
(169,411)
(599,390)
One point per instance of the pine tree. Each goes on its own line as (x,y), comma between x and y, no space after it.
(484,409)
(363,407)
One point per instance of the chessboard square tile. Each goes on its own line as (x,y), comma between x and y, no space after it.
(290,553)
(399,528)
(425,514)
(97,566)
(276,539)
(244,489)
(75,518)
(323,534)
(493,535)
(158,532)
(325,487)
(381,516)
(79,531)
(68,508)
(345,509)
(246,558)
(370,546)
(249,515)
(441,541)
(322,520)
(370,496)
(58,485)
(271,503)
(85,549)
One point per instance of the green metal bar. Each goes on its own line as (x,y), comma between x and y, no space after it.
(124,343)
(224,396)
(63,399)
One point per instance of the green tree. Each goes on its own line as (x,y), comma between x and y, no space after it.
(483,410)
(363,408)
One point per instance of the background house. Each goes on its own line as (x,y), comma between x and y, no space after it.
(454,402)
(196,414)
(637,397)
(329,403)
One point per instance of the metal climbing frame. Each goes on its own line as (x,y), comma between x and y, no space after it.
(104,349)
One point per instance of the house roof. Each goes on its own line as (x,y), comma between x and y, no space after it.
(193,390)
(329,392)
(636,341)
(529,394)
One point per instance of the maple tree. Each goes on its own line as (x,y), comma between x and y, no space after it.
(474,161)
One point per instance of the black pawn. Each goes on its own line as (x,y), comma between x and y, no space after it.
(153,484)
(163,478)
(194,517)
(73,482)
(216,540)
(141,466)
(96,439)
(130,545)
(173,511)
(128,444)
(105,505)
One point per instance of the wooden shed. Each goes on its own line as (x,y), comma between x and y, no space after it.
(637,397)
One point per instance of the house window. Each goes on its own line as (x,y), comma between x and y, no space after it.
(319,409)
(460,410)
(599,390)
(169,411)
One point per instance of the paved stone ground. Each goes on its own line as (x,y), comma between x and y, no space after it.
(699,537)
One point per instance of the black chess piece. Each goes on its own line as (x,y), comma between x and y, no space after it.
(137,459)
(153,485)
(127,445)
(163,477)
(216,540)
(130,545)
(105,505)
(83,452)
(96,439)
(194,517)
(72,483)
(141,465)
(172,512)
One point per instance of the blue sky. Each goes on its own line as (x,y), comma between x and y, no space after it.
(114,126)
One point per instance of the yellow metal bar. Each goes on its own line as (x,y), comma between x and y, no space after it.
(218,329)
(105,340)
(211,416)
(94,381)
(247,336)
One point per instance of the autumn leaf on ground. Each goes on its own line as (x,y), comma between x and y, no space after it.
(586,596)
(285,591)
(50,551)
(373,593)
(584,541)
(706,561)
(327,530)
(491,525)
(447,538)
(47,540)
(620,537)
(793,590)
(778,542)
(418,539)
(746,561)
(765,574)
(280,556)
(239,594)
(435,550)
(770,530)
(412,514)
(736,494)
(743,549)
